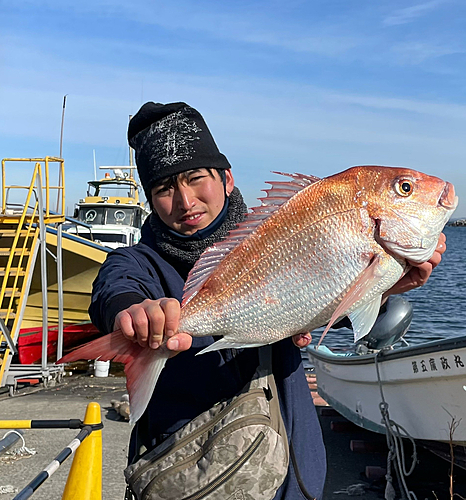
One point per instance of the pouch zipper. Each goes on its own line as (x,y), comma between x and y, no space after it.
(204,428)
(187,462)
(229,472)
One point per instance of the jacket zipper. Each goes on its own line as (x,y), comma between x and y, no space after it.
(187,462)
(204,428)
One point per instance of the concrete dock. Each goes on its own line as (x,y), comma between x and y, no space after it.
(65,401)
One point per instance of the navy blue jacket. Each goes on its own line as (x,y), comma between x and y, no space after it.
(190,385)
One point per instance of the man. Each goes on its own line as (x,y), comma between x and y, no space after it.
(194,202)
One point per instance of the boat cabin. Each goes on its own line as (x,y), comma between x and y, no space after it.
(111,214)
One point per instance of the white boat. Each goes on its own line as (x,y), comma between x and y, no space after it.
(424,386)
(421,388)
(111,214)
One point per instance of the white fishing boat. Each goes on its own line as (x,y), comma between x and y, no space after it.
(424,385)
(111,214)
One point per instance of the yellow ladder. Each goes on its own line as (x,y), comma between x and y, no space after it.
(18,245)
(21,226)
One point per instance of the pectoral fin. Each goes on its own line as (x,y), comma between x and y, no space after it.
(227,344)
(364,317)
(360,287)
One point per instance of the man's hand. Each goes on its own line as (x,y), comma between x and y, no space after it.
(419,273)
(149,322)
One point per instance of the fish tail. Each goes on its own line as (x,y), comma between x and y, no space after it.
(112,346)
(142,365)
(142,374)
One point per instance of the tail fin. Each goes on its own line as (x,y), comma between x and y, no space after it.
(142,365)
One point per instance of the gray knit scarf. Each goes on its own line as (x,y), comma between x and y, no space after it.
(183,252)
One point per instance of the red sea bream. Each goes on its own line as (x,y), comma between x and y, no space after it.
(314,251)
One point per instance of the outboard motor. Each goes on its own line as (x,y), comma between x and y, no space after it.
(393,322)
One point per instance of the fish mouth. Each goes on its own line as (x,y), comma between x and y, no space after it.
(447,198)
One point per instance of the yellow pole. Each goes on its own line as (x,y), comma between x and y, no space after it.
(85,477)
(15,424)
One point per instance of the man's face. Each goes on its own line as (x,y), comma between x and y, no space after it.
(194,200)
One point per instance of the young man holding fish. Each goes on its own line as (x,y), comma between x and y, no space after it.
(139,289)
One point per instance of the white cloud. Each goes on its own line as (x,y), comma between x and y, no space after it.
(418,52)
(409,14)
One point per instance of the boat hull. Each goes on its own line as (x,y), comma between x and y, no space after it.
(81,263)
(30,341)
(424,386)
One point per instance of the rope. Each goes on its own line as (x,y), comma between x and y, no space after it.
(24,451)
(16,454)
(394,435)
(353,490)
(8,489)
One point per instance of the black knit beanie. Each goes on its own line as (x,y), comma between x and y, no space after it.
(169,139)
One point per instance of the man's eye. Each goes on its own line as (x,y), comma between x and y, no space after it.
(161,190)
(195,179)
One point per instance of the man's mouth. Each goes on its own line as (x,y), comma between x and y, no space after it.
(191,219)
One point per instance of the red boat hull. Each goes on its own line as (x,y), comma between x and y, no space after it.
(30,341)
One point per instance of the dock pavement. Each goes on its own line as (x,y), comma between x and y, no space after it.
(356,458)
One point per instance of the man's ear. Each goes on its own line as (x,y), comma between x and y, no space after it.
(230,182)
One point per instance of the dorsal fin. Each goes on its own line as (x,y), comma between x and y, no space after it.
(276,196)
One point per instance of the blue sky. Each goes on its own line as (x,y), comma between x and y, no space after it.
(296,86)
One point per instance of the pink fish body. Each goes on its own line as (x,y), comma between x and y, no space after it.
(314,251)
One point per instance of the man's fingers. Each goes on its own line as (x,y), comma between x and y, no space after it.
(302,339)
(140,324)
(179,342)
(150,321)
(124,322)
(171,309)
(156,325)
(442,244)
(423,272)
(419,273)
(164,315)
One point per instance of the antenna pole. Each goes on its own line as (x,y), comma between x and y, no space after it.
(95,168)
(131,161)
(62,125)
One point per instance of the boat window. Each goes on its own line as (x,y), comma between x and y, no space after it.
(107,237)
(122,216)
(119,215)
(93,215)
(137,219)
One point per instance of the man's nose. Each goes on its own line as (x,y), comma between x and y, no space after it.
(185,197)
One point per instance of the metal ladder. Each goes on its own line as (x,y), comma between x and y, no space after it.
(22,238)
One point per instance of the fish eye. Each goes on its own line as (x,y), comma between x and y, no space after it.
(404,187)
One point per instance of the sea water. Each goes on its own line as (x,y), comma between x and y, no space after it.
(439,306)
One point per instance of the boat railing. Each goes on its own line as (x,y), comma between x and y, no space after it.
(42,171)
(72,222)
